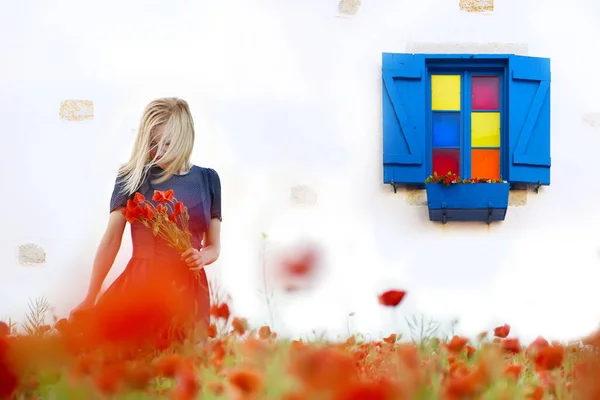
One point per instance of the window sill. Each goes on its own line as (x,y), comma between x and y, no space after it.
(485,202)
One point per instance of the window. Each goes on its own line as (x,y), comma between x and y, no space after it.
(465,123)
(481,116)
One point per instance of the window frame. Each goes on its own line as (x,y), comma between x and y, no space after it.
(527,120)
(467,68)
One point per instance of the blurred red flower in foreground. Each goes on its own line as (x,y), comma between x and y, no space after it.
(264,332)
(391,298)
(239,325)
(4,329)
(246,382)
(502,331)
(297,268)
(374,390)
(8,378)
(513,370)
(237,361)
(187,386)
(512,346)
(457,344)
(549,357)
(302,265)
(220,311)
(536,345)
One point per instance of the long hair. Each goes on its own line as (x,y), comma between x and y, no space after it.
(174,116)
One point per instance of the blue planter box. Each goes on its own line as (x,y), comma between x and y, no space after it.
(467,201)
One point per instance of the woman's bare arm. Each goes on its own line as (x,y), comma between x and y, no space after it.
(212,242)
(107,252)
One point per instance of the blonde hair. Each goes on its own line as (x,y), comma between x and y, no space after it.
(174,115)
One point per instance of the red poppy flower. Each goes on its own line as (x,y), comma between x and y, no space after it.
(549,357)
(512,345)
(149,212)
(212,331)
(457,344)
(502,331)
(240,325)
(132,211)
(248,382)
(163,196)
(220,311)
(303,265)
(513,370)
(139,198)
(391,298)
(179,208)
(264,332)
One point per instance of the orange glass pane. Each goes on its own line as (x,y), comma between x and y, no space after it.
(485,163)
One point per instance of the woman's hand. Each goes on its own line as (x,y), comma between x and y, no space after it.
(194,259)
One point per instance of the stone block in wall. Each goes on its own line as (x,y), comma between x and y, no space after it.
(349,7)
(476,5)
(517,198)
(592,119)
(76,110)
(31,254)
(303,194)
(416,197)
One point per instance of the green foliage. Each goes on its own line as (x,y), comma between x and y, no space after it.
(36,317)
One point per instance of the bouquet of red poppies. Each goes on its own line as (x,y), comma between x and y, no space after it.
(168,220)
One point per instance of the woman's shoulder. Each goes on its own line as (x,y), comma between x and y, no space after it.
(206,171)
(209,178)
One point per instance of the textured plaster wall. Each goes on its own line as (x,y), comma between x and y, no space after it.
(287,103)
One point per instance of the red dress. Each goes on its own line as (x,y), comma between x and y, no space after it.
(157,288)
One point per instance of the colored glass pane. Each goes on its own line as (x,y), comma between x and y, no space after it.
(446,129)
(485,129)
(446,160)
(485,93)
(485,163)
(445,92)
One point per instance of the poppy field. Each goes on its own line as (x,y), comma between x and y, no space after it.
(231,360)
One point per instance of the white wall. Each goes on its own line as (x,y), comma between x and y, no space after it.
(287,93)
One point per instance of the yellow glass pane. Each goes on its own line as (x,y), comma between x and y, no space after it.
(445,92)
(485,129)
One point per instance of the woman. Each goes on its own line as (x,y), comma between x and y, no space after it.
(158,283)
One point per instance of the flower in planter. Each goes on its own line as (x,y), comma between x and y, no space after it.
(451,177)
(445,180)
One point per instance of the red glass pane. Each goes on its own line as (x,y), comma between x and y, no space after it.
(446,160)
(485,93)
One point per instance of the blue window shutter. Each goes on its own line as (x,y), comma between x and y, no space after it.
(529,120)
(403,92)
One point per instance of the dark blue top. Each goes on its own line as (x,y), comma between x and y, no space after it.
(200,192)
